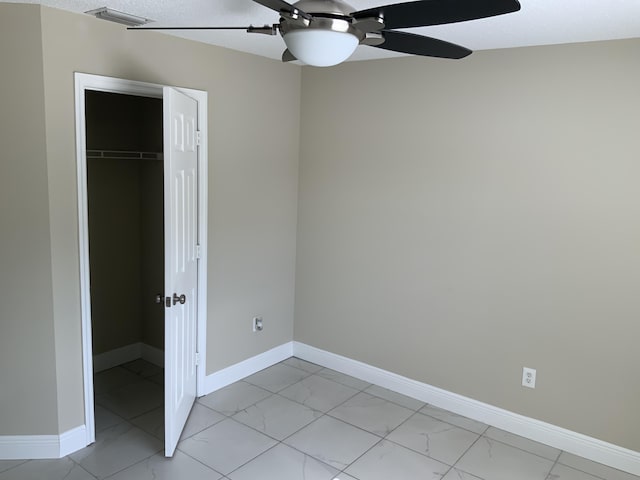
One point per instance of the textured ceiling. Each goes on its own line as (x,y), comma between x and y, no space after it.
(540,22)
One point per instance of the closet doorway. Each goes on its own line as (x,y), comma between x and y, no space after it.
(142,236)
(124,149)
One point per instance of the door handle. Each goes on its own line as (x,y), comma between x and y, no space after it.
(179,299)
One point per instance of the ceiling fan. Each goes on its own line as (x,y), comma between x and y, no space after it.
(323,33)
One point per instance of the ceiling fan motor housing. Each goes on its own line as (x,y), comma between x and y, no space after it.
(331,28)
(332,7)
(328,15)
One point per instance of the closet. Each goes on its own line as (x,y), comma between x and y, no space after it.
(126,244)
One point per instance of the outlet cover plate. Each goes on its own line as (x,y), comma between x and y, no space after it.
(528,377)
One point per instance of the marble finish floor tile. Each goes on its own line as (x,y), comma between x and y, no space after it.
(332,441)
(157,467)
(105,418)
(158,379)
(284,463)
(431,437)
(226,445)
(455,474)
(373,414)
(402,400)
(151,422)
(55,469)
(562,472)
(277,416)
(454,419)
(594,468)
(234,398)
(133,399)
(347,380)
(200,418)
(390,461)
(277,377)
(302,365)
(113,378)
(7,464)
(522,443)
(117,448)
(319,393)
(497,461)
(143,368)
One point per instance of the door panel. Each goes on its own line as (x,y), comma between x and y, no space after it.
(181,234)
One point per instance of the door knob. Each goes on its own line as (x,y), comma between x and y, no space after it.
(179,299)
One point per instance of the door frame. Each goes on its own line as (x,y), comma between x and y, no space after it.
(84,82)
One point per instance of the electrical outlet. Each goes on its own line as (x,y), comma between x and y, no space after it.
(257,324)
(528,377)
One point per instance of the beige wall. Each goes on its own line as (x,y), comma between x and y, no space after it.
(461,220)
(252,195)
(27,354)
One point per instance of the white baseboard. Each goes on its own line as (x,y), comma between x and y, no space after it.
(117,356)
(128,353)
(152,354)
(558,437)
(25,447)
(73,440)
(236,372)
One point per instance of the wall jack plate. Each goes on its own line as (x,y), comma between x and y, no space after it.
(257,324)
(528,377)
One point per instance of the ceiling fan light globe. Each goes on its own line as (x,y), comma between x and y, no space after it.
(320,48)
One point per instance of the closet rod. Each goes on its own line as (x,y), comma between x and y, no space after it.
(126,155)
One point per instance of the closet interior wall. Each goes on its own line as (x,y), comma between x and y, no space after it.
(126,220)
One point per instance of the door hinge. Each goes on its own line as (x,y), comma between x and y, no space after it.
(198,137)
(197,358)
(198,252)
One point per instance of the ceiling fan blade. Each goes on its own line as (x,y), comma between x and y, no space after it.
(423,13)
(287,56)
(420,45)
(283,7)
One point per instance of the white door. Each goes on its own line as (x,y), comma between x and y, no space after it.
(181,260)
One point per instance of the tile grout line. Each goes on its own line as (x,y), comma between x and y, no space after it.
(548,477)
(464,453)
(200,462)
(522,449)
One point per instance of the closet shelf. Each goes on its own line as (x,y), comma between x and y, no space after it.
(119,154)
